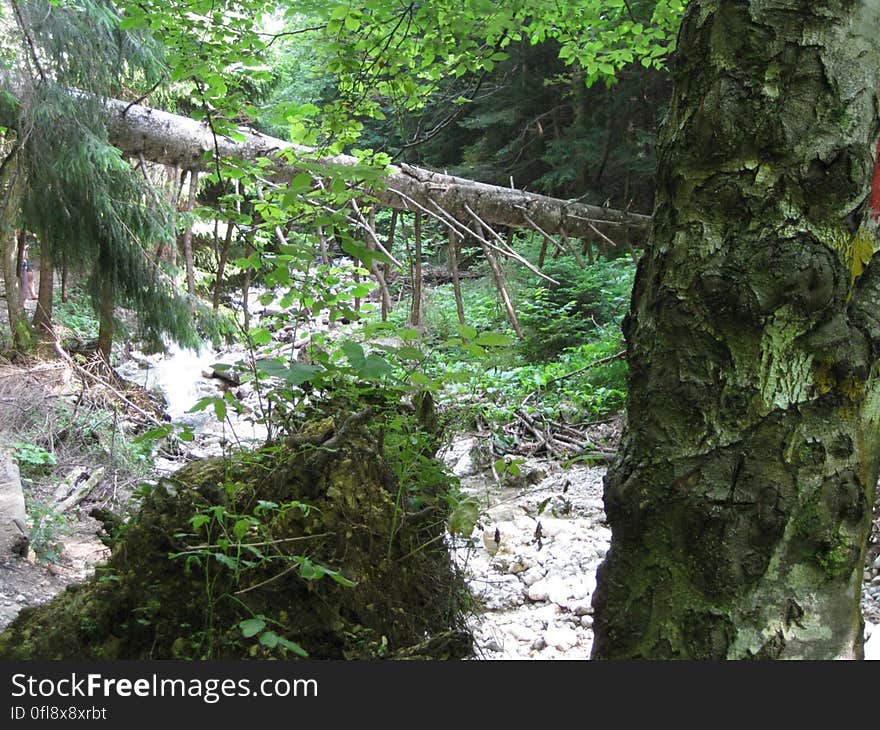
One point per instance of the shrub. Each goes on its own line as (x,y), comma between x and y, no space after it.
(585,303)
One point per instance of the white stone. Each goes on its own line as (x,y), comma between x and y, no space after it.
(521,633)
(464,467)
(559,591)
(550,526)
(519,564)
(539,591)
(582,607)
(533,575)
(872,647)
(561,638)
(587,621)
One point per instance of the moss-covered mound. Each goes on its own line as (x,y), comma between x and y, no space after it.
(314,544)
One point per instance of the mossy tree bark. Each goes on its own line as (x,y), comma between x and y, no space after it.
(740,501)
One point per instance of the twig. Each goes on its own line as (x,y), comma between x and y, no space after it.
(449,220)
(67,358)
(603,361)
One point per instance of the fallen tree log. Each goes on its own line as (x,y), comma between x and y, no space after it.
(171,139)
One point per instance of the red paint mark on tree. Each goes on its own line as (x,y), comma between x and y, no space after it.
(875,186)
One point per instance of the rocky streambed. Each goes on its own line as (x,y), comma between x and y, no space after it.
(534,585)
(531,561)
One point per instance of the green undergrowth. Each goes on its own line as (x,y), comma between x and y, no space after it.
(327,543)
(569,362)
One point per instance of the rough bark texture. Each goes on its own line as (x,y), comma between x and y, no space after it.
(45,294)
(11,186)
(740,501)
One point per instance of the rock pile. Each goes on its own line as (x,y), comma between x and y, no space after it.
(534,586)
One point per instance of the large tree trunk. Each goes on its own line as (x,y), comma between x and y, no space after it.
(740,502)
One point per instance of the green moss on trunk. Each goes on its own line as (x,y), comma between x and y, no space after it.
(740,501)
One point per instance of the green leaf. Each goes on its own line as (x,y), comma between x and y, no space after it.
(463,518)
(224,559)
(252,626)
(407,333)
(240,528)
(272,367)
(269,639)
(298,374)
(410,353)
(362,253)
(302,183)
(308,570)
(154,434)
(355,354)
(466,332)
(219,408)
(493,339)
(341,579)
(375,366)
(261,336)
(293,646)
(421,380)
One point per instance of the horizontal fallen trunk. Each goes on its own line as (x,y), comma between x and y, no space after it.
(171,139)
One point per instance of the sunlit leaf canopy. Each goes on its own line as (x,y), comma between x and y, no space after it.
(383,51)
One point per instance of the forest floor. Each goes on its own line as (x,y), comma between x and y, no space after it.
(532,587)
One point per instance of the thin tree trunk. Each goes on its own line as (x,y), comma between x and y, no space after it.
(377,270)
(453,267)
(740,500)
(587,251)
(415,313)
(542,255)
(322,245)
(45,294)
(187,234)
(246,288)
(573,249)
(105,319)
(498,275)
(386,269)
(223,254)
(65,282)
(11,185)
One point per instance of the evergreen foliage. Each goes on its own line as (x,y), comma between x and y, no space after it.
(92,212)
